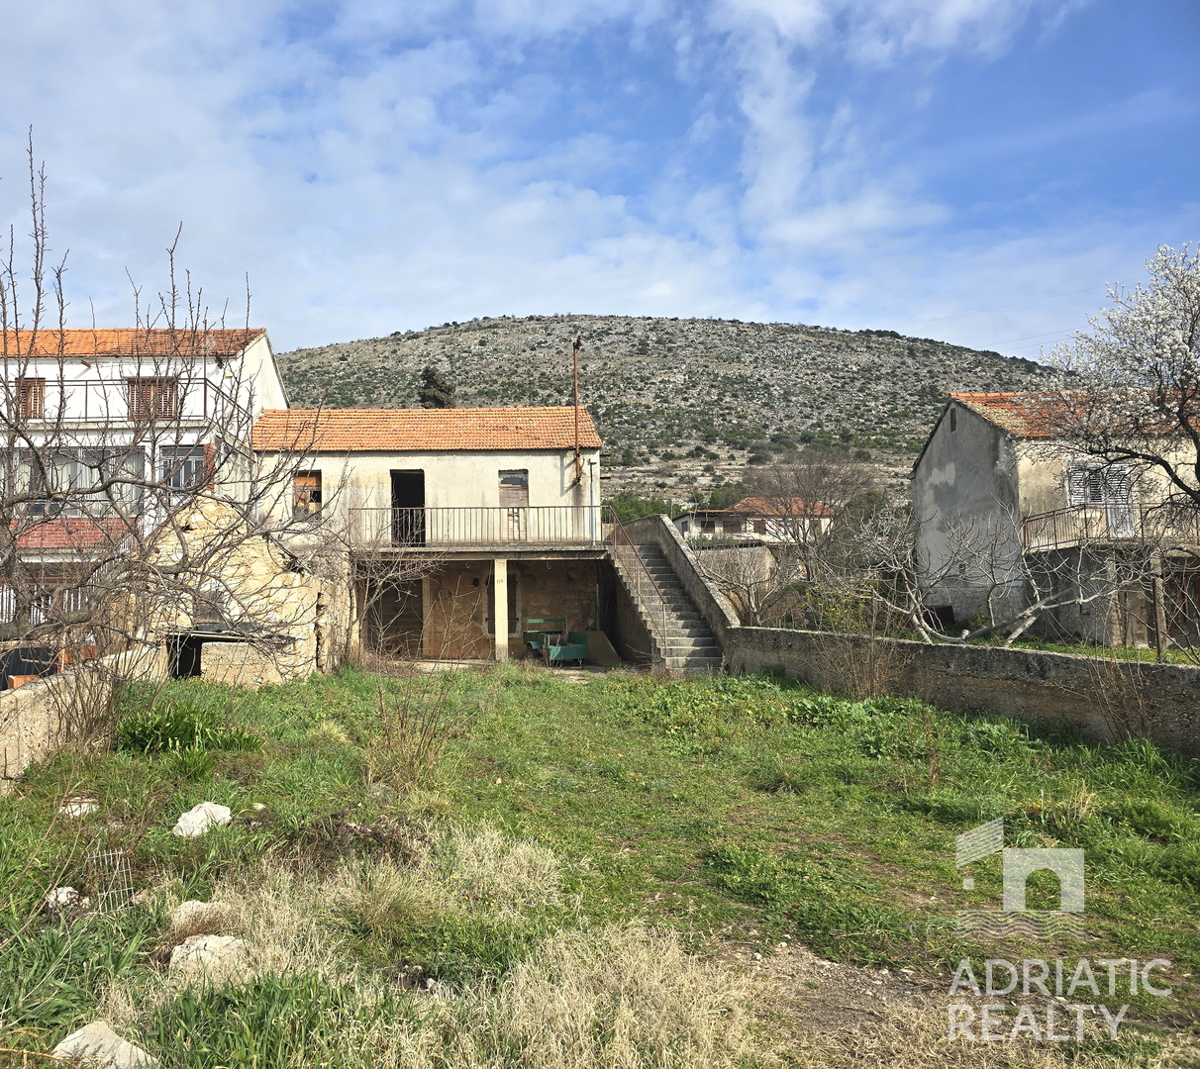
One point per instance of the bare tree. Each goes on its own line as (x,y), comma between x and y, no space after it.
(789,532)
(131,502)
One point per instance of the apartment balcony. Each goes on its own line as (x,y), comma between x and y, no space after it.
(455,531)
(166,400)
(1164,527)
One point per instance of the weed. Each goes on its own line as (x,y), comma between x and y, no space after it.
(174,726)
(411,725)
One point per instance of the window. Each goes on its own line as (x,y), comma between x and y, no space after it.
(182,470)
(1099,484)
(31,399)
(306,495)
(514,489)
(151,399)
(83,481)
(708,526)
(760,527)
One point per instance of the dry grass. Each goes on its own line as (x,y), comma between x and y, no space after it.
(616,997)
(621,997)
(917,1039)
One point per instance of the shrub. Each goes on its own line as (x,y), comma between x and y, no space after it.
(181,726)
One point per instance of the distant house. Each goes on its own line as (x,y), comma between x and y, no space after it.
(773,520)
(1000,505)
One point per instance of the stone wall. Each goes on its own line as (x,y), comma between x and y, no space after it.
(41,716)
(456,602)
(1106,699)
(240,664)
(294,601)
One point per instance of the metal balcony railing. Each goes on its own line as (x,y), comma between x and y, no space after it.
(126,400)
(565,525)
(1161,525)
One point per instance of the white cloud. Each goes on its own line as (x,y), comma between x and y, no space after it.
(377,166)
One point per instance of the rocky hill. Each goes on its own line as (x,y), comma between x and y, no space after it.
(679,402)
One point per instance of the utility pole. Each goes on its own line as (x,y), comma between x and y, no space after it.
(575,376)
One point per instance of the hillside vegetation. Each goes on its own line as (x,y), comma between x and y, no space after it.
(678,401)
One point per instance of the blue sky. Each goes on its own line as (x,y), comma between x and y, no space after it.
(975,170)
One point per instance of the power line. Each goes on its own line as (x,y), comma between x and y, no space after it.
(1000,307)
(1028,336)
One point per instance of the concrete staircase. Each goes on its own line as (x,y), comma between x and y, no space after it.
(683,640)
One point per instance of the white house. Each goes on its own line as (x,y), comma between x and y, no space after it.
(107,438)
(154,402)
(767,520)
(504,501)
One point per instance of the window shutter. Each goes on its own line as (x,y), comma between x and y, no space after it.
(514,489)
(31,399)
(1077,484)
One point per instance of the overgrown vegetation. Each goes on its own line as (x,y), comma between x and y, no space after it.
(550,878)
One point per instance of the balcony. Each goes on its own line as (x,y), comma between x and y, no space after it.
(1163,526)
(446,529)
(46,402)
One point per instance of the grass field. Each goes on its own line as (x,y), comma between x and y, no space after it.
(440,861)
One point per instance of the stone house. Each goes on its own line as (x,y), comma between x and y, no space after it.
(1005,513)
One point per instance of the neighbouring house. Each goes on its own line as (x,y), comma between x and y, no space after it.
(1005,514)
(465,526)
(130,442)
(765,520)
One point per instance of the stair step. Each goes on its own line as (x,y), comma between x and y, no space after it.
(683,637)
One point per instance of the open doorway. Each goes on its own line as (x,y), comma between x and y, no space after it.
(408,508)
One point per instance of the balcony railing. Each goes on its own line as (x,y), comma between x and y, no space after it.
(1160,525)
(565,525)
(129,401)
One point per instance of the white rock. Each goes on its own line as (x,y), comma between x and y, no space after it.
(200,818)
(97,1044)
(193,913)
(62,899)
(217,955)
(78,807)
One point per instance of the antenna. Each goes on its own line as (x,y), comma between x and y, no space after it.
(575,372)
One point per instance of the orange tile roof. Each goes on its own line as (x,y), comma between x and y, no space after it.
(416,430)
(127,342)
(786,506)
(1027,414)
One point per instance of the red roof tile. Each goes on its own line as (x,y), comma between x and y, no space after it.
(127,342)
(415,430)
(75,532)
(1027,414)
(777,506)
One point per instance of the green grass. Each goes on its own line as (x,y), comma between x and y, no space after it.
(718,807)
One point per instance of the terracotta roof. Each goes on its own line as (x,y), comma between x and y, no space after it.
(768,506)
(75,532)
(386,430)
(1028,414)
(127,342)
